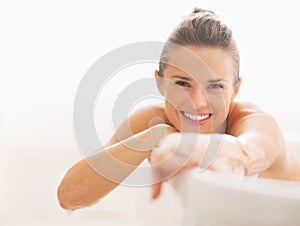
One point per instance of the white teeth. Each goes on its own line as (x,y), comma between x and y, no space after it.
(195,117)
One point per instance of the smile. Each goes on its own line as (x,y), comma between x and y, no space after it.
(198,117)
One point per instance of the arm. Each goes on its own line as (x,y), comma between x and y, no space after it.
(92,178)
(85,183)
(257,136)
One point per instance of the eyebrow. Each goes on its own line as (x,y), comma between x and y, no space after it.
(181,77)
(217,80)
(188,79)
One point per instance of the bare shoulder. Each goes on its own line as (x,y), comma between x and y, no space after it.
(140,119)
(240,110)
(147,116)
(243,109)
(245,116)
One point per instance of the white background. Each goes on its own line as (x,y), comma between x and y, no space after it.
(46,47)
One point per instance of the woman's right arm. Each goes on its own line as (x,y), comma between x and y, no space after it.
(90,179)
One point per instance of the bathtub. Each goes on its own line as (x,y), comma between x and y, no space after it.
(214,199)
(29,179)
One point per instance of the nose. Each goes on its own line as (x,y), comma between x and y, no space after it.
(199,98)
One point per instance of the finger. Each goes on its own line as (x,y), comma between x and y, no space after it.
(156,189)
(212,168)
(156,186)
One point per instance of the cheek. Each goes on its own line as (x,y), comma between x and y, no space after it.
(179,99)
(220,104)
(228,100)
(172,114)
(175,100)
(171,109)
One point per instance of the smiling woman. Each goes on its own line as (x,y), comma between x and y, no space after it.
(210,88)
(200,121)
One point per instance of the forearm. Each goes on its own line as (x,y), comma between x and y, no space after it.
(92,178)
(235,154)
(260,139)
(220,152)
(248,154)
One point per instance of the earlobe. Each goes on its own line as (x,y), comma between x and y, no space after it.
(159,81)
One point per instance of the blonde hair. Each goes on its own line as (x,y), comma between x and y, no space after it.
(202,28)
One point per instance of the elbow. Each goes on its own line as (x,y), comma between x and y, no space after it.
(75,196)
(68,197)
(72,190)
(80,188)
(64,199)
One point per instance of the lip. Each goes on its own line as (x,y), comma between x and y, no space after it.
(196,122)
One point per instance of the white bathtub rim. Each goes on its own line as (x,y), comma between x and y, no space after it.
(260,186)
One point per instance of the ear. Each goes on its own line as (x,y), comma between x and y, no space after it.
(237,88)
(159,81)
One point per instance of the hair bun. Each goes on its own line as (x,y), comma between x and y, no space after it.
(198,10)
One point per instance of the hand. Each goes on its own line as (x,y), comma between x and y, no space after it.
(178,151)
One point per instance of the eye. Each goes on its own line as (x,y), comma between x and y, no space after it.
(182,83)
(215,86)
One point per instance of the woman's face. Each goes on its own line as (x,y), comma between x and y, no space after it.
(198,87)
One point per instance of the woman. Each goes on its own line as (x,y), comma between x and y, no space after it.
(199,77)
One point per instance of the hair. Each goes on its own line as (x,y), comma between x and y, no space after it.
(202,28)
